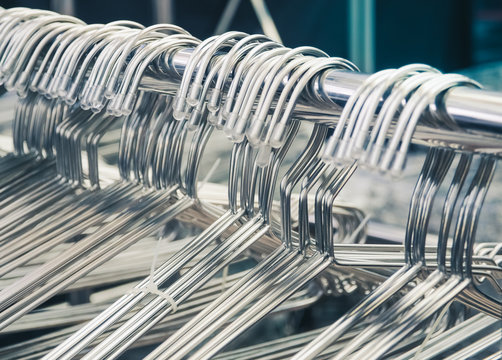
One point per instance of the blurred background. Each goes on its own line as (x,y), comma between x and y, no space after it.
(452,35)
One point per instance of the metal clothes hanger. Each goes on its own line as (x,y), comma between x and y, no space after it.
(268,263)
(105,83)
(239,117)
(133,42)
(406,274)
(42,345)
(95,38)
(453,337)
(355,141)
(426,94)
(396,97)
(230,300)
(77,171)
(216,70)
(253,75)
(456,283)
(174,343)
(330,152)
(219,117)
(37,277)
(275,135)
(189,93)
(123,101)
(204,266)
(164,272)
(400,279)
(30,54)
(152,155)
(27,188)
(378,139)
(279,291)
(433,279)
(75,87)
(25,30)
(105,253)
(231,60)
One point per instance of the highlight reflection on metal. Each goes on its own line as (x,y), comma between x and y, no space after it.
(477,112)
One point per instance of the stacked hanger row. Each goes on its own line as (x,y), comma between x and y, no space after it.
(77,82)
(101,66)
(48,128)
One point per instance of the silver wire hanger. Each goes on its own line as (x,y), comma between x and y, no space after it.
(279,263)
(402,276)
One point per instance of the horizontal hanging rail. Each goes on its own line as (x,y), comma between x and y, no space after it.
(476,113)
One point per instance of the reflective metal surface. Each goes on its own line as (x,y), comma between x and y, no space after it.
(477,112)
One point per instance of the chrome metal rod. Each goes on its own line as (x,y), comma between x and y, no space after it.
(477,113)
